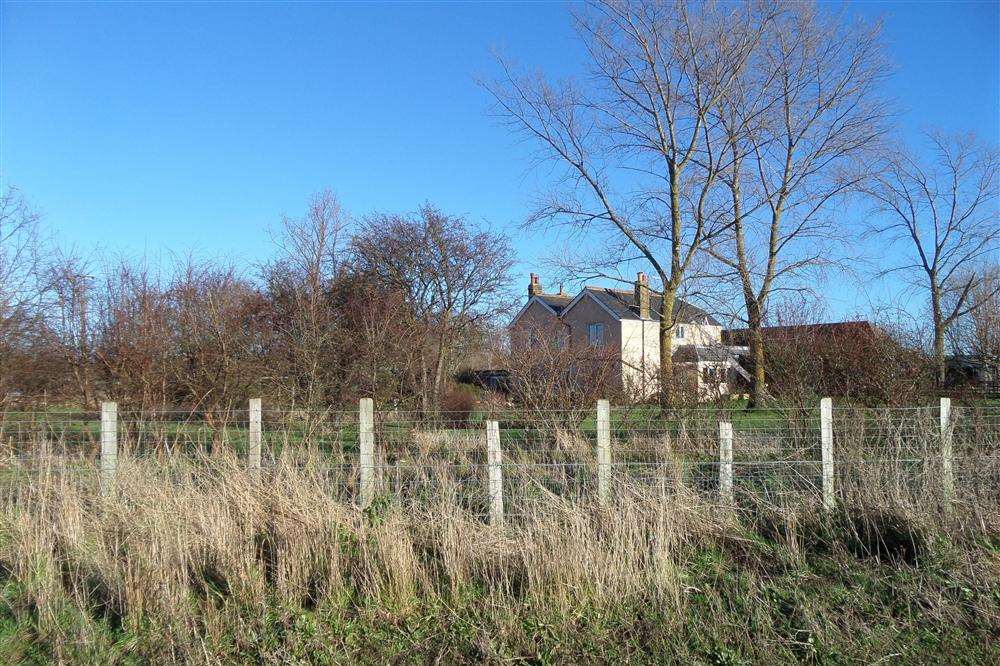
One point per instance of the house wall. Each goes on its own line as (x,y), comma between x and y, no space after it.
(535,320)
(640,355)
(698,334)
(710,389)
(641,350)
(588,311)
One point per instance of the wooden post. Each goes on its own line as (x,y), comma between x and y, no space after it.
(826,441)
(109,445)
(494,461)
(947,470)
(726,461)
(603,451)
(253,444)
(366,444)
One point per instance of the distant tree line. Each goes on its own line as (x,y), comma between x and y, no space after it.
(387,306)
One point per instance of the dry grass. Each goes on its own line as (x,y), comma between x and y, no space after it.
(193,559)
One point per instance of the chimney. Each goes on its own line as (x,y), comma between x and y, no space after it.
(534,287)
(642,295)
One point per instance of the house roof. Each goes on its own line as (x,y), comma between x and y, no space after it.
(555,301)
(860,329)
(622,304)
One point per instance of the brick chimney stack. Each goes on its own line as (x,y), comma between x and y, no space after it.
(534,287)
(642,295)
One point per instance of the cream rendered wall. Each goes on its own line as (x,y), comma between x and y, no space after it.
(640,355)
(640,351)
(698,334)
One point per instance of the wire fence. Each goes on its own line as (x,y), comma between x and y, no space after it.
(778,456)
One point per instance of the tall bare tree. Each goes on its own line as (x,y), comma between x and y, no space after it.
(942,208)
(300,280)
(454,278)
(639,149)
(800,119)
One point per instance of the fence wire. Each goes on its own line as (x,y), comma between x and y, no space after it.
(550,455)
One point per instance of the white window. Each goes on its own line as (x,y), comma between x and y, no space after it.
(680,331)
(595,334)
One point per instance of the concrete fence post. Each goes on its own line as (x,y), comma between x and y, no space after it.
(495,470)
(603,451)
(947,469)
(366,446)
(253,443)
(826,443)
(109,445)
(726,461)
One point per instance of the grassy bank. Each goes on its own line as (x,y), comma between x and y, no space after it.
(199,561)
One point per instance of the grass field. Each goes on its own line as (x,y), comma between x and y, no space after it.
(202,562)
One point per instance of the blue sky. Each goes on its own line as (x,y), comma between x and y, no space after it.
(155,127)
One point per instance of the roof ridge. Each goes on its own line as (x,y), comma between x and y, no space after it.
(652,292)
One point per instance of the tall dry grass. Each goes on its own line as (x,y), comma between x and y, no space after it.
(194,559)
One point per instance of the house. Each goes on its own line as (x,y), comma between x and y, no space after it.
(627,324)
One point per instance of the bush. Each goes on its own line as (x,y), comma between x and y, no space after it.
(459,403)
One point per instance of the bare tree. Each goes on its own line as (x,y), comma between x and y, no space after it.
(977,332)
(454,277)
(639,148)
(19,271)
(69,286)
(550,374)
(799,119)
(300,282)
(943,209)
(135,347)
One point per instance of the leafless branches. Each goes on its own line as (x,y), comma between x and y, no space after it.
(453,277)
(943,211)
(638,147)
(799,119)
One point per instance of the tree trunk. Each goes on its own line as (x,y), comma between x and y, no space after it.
(667,348)
(439,373)
(441,356)
(754,323)
(939,332)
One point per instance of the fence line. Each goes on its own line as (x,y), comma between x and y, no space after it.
(588,453)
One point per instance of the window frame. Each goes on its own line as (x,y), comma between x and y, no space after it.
(595,334)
